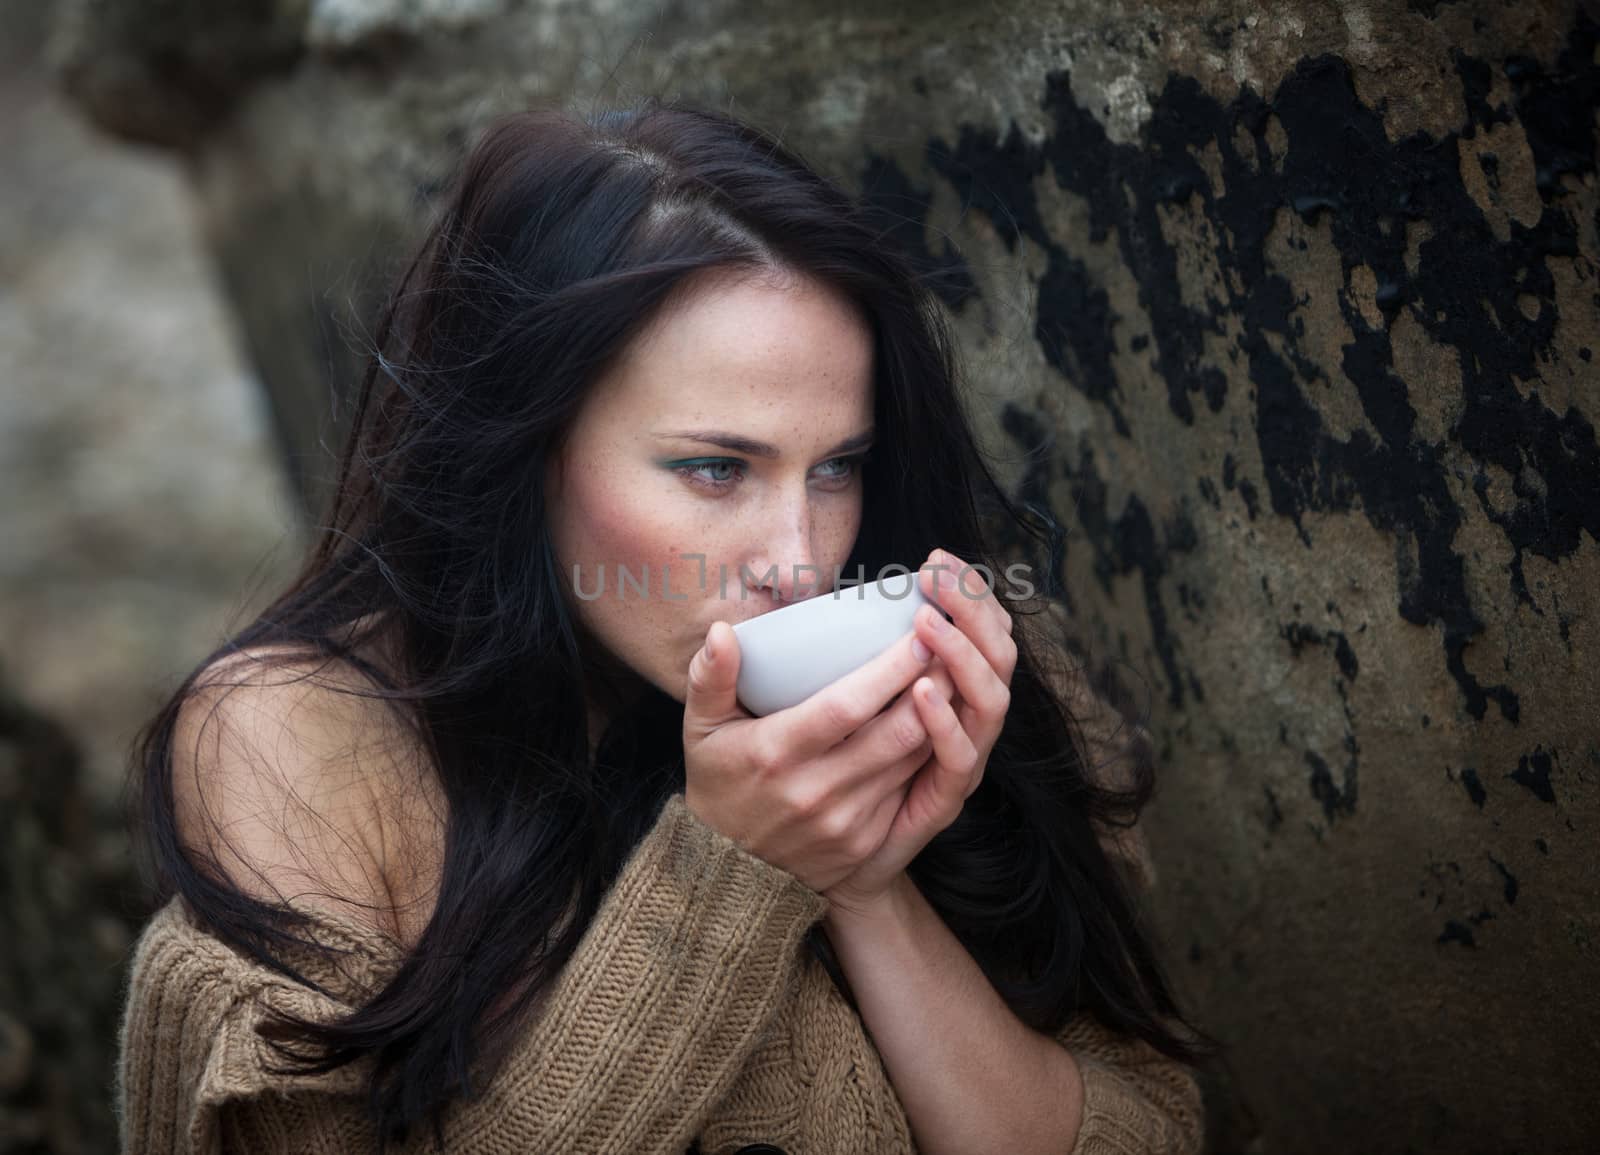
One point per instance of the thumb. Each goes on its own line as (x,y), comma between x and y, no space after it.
(711,694)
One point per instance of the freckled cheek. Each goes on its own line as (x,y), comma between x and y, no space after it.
(644,527)
(837,534)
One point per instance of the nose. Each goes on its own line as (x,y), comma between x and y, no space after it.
(785,565)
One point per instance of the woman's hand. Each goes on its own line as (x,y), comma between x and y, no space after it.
(813,788)
(978,651)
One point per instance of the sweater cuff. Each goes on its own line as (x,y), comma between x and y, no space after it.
(1112,1114)
(702,857)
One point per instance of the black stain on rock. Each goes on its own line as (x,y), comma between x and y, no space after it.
(1081,348)
(1533,772)
(1075,328)
(1274,813)
(1335,799)
(1506,877)
(1477,81)
(1557,108)
(1563,622)
(1299,634)
(1127,543)
(1457,932)
(1037,441)
(1466,292)
(1345,656)
(1475,790)
(1251,502)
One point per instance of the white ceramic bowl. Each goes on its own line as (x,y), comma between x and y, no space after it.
(788,654)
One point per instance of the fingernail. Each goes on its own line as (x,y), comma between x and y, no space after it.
(947,580)
(921,651)
(937,620)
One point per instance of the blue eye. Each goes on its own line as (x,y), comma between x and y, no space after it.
(848,466)
(691,471)
(719,474)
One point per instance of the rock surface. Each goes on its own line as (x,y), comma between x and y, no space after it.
(146,498)
(143,491)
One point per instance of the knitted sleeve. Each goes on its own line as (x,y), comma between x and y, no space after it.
(689,956)
(1136,1101)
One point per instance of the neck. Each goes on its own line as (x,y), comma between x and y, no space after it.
(610,687)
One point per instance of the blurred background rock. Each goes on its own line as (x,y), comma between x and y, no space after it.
(1288,312)
(143,496)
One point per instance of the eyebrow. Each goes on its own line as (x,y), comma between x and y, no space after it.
(760,448)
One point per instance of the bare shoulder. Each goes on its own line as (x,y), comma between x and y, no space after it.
(290,778)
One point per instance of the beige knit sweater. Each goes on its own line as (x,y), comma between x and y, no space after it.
(691,1010)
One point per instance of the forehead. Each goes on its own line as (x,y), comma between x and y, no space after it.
(751,346)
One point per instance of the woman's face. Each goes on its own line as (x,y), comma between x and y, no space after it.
(730,428)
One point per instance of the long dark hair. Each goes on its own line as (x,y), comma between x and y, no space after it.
(558,239)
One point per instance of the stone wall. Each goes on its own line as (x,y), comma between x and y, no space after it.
(1289,313)
(145,502)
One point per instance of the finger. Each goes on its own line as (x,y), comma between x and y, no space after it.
(886,807)
(971,584)
(888,789)
(862,742)
(870,751)
(884,751)
(710,696)
(981,688)
(949,777)
(868,747)
(968,597)
(940,675)
(891,778)
(979,615)
(845,705)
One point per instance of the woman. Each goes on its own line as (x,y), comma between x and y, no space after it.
(465,844)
